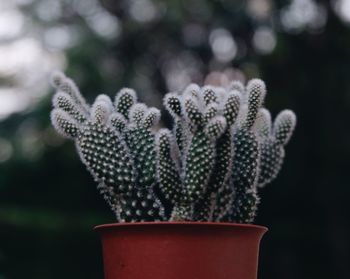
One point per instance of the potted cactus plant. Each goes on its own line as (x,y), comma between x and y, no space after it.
(184,199)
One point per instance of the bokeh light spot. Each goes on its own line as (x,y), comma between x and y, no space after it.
(223,45)
(264,40)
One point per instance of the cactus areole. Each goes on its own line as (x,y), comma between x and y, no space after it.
(205,171)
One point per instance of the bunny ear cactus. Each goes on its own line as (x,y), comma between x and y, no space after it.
(245,169)
(221,149)
(100,141)
(198,158)
(172,103)
(272,142)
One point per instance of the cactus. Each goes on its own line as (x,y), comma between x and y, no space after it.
(221,150)
(272,142)
(105,141)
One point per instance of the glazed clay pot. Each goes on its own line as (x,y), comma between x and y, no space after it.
(180,250)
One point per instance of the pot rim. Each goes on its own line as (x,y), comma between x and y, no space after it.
(110,226)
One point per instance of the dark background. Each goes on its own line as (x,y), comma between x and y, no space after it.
(300,48)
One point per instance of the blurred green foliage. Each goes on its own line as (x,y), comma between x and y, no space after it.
(48,201)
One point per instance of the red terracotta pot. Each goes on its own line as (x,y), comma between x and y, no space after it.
(180,250)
